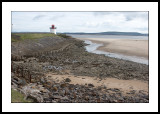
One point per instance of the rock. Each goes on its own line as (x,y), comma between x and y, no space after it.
(57,97)
(94,94)
(62,92)
(63,85)
(56,93)
(120,99)
(99,88)
(98,100)
(114,89)
(32,93)
(67,80)
(104,87)
(64,98)
(86,98)
(132,92)
(44,91)
(67,91)
(15,80)
(32,98)
(36,92)
(47,101)
(90,85)
(14,86)
(53,101)
(146,97)
(12,74)
(21,82)
(55,88)
(42,80)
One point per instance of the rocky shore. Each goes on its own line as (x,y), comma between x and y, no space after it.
(32,59)
(47,91)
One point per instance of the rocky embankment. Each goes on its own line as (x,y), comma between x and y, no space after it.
(32,59)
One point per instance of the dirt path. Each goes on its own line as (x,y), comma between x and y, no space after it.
(124,85)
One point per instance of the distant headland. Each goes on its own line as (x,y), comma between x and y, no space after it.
(110,33)
(97,33)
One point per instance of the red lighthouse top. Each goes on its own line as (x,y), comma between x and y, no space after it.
(52,26)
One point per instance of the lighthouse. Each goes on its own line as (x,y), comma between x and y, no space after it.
(53,29)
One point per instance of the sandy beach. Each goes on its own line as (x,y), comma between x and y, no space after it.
(130,47)
(124,85)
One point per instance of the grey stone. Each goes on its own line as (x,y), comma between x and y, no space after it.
(12,74)
(53,101)
(132,92)
(64,98)
(57,97)
(114,89)
(21,82)
(42,80)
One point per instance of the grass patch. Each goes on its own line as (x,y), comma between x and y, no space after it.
(22,36)
(17,97)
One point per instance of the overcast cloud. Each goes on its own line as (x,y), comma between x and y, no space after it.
(80,21)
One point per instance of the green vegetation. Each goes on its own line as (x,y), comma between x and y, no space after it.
(17,97)
(22,36)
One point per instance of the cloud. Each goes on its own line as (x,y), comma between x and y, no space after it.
(81,21)
(135,15)
(129,15)
(102,13)
(55,17)
(38,17)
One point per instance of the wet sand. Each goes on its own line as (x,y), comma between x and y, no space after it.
(130,47)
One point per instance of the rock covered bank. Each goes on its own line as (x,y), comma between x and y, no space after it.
(65,55)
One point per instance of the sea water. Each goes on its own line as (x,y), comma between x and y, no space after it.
(109,36)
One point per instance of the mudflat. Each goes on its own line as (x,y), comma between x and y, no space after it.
(130,47)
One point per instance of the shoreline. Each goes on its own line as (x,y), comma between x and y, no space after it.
(128,47)
(93,48)
(135,50)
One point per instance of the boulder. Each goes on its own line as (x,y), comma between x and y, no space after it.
(35,92)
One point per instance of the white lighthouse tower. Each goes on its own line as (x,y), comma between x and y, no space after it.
(53,29)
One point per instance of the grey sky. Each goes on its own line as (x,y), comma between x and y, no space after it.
(80,21)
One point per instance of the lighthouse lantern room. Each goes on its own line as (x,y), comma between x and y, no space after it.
(53,29)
